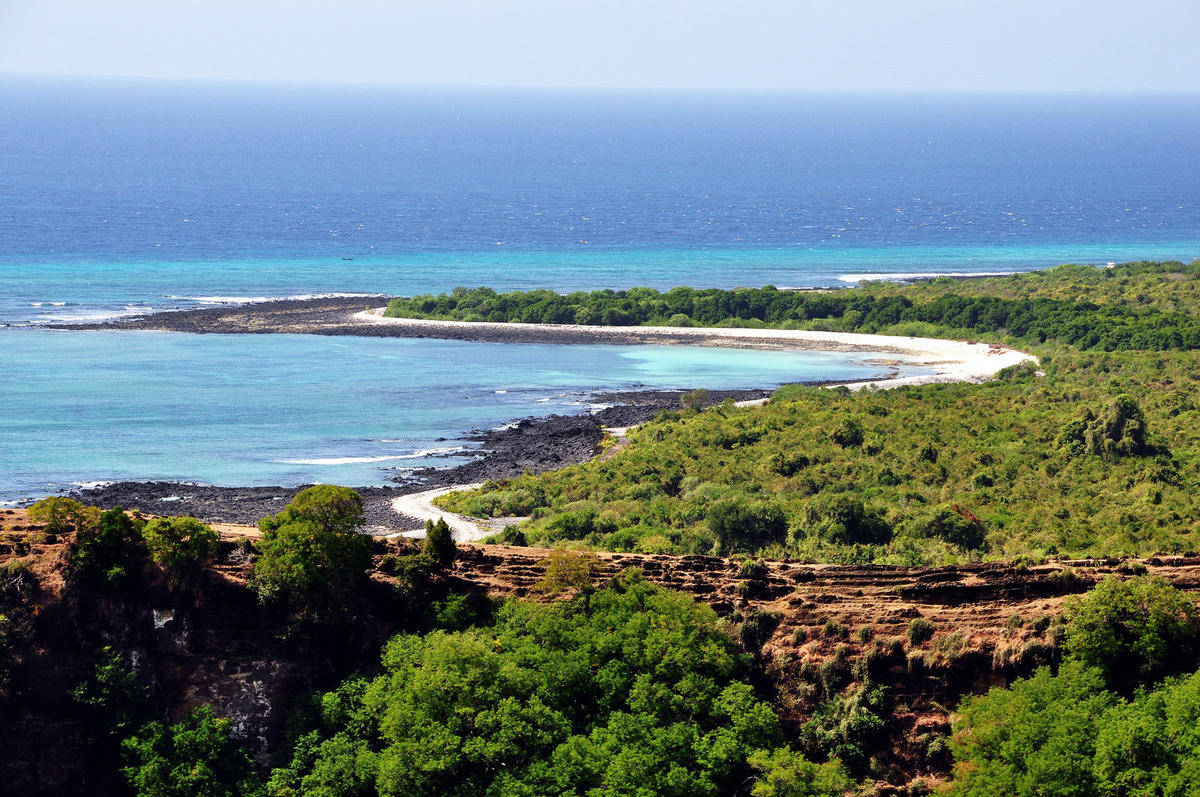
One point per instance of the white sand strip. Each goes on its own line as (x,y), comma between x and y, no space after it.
(950,360)
(464,529)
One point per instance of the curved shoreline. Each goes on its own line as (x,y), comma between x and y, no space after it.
(950,360)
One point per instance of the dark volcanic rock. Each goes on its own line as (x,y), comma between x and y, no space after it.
(531,445)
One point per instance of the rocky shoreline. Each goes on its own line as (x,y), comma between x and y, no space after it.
(529,445)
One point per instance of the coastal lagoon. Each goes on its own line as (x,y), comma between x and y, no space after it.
(291,409)
(123,197)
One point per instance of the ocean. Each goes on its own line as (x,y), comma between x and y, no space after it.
(119,197)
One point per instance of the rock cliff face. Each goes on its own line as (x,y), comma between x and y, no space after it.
(807,625)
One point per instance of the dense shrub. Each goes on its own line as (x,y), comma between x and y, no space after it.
(950,523)
(63,515)
(195,756)
(845,520)
(634,692)
(1133,631)
(786,773)
(847,727)
(108,555)
(740,525)
(181,546)
(312,557)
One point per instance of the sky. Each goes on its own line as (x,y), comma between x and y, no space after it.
(972,45)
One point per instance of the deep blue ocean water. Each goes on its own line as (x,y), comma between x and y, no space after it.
(117,197)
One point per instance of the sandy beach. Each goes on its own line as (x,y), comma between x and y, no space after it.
(950,360)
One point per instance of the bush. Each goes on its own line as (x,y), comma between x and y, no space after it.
(951,523)
(744,526)
(1133,631)
(848,433)
(920,631)
(786,773)
(63,515)
(845,520)
(195,756)
(312,557)
(848,727)
(567,570)
(109,555)
(181,546)
(439,542)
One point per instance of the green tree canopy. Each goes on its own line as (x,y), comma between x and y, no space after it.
(439,542)
(312,557)
(108,555)
(1133,630)
(635,692)
(181,546)
(195,756)
(1033,739)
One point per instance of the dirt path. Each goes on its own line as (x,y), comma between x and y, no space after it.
(465,529)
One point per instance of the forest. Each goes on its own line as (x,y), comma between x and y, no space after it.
(1134,306)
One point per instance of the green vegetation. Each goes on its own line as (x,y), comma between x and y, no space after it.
(63,515)
(945,473)
(786,773)
(1100,456)
(1067,733)
(1131,319)
(1133,631)
(312,558)
(181,546)
(108,555)
(439,542)
(634,690)
(195,756)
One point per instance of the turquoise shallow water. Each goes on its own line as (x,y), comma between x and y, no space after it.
(123,197)
(87,289)
(291,409)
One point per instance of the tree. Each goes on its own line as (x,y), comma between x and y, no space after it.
(181,546)
(1134,631)
(108,555)
(63,515)
(634,693)
(1035,738)
(786,773)
(846,520)
(439,542)
(312,557)
(741,525)
(566,570)
(195,756)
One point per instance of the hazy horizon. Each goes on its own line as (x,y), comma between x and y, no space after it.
(776,46)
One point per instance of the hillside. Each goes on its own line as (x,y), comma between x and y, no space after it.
(810,629)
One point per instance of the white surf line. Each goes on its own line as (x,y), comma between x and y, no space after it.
(464,529)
